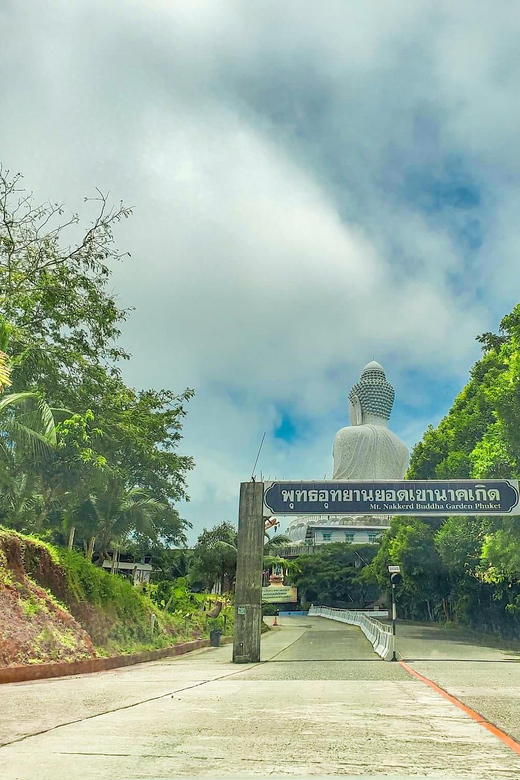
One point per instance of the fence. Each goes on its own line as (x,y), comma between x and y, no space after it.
(378,634)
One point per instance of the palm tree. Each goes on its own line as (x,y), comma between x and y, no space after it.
(22,501)
(113,513)
(26,420)
(27,439)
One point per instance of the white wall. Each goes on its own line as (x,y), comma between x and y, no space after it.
(339,535)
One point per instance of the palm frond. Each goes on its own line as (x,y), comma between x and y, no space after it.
(6,453)
(275,542)
(30,441)
(29,420)
(5,371)
(290,566)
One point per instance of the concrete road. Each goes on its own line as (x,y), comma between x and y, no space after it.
(482,676)
(320,703)
(420,641)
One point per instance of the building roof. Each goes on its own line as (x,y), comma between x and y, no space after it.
(125,566)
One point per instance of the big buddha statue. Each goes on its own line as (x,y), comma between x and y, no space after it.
(367,449)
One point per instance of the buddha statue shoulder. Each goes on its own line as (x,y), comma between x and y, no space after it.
(367,449)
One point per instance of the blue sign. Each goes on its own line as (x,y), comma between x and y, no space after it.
(407,497)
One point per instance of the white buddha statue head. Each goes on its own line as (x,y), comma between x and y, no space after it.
(372,398)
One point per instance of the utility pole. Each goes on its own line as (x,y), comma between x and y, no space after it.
(248,589)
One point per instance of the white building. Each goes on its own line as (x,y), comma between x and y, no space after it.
(138,571)
(325,534)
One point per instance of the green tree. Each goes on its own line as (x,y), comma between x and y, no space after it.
(54,280)
(115,514)
(63,323)
(333,576)
(409,543)
(214,558)
(27,441)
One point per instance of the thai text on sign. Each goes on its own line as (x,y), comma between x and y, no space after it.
(414,497)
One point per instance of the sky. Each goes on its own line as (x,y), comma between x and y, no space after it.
(314,185)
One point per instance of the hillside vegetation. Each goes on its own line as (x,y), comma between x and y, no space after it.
(56,606)
(467,569)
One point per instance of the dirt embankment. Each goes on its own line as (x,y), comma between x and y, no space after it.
(56,606)
(34,626)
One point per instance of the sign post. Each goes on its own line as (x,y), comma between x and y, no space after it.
(395,579)
(248,589)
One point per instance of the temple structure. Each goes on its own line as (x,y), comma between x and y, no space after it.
(365,450)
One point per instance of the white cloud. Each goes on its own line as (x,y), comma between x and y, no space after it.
(277,155)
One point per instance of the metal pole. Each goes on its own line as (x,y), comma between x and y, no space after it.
(248,589)
(394,619)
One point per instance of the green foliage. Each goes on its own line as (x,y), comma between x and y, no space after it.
(215,558)
(333,576)
(479,579)
(30,607)
(410,544)
(479,437)
(456,573)
(290,567)
(272,544)
(73,434)
(175,596)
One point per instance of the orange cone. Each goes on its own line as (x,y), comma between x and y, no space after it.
(275,621)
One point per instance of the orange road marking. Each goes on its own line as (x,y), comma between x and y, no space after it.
(502,736)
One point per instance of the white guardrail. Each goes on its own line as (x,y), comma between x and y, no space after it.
(378,634)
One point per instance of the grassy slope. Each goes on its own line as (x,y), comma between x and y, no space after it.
(55,605)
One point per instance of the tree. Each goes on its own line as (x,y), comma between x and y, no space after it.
(409,543)
(115,514)
(26,420)
(62,323)
(214,558)
(479,437)
(274,543)
(54,287)
(332,576)
(27,435)
(5,371)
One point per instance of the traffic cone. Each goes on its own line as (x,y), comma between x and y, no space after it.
(275,621)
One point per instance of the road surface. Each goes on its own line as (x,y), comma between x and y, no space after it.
(321,702)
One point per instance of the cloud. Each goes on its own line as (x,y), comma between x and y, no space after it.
(312,186)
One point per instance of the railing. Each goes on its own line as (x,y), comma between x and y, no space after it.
(378,634)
